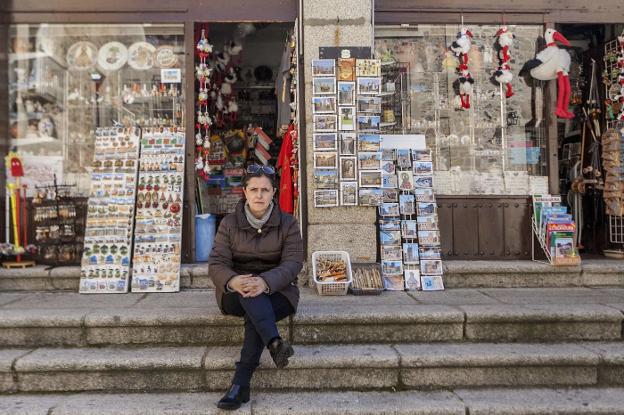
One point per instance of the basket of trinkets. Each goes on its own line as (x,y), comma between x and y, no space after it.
(366,280)
(332,272)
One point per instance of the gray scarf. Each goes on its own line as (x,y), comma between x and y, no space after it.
(255,222)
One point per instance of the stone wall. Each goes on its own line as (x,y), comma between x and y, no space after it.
(352,229)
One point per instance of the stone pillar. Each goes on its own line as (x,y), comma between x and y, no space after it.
(352,229)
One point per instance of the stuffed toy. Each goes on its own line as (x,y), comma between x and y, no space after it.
(505,40)
(461,46)
(504,76)
(554,63)
(465,88)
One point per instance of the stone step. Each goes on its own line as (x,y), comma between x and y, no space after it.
(457,274)
(192,318)
(534,401)
(350,367)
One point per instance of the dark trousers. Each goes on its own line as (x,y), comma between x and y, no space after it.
(260,314)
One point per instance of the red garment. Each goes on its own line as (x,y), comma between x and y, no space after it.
(283,162)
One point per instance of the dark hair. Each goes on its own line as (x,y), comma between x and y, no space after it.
(249,176)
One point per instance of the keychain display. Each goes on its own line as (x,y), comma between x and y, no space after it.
(158,230)
(110,212)
(613,79)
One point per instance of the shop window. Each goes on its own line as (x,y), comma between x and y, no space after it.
(67,80)
(498,146)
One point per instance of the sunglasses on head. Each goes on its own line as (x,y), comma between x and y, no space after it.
(257,168)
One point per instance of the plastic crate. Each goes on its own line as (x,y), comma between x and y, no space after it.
(332,288)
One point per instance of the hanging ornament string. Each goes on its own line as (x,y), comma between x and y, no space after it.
(203,51)
(461,47)
(504,40)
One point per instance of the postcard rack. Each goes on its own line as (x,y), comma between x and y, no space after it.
(58,219)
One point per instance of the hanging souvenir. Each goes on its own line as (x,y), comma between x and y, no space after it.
(461,47)
(554,63)
(504,75)
(82,56)
(141,55)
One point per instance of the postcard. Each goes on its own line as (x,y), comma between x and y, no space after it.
(421,155)
(370,197)
(429,238)
(387,166)
(428,223)
(369,142)
(346,69)
(423,181)
(369,161)
(324,86)
(369,104)
(323,105)
(427,252)
(388,154)
(324,123)
(403,159)
(409,229)
(323,67)
(426,208)
(347,144)
(423,168)
(392,267)
(412,279)
(368,67)
(348,193)
(348,169)
(406,180)
(432,283)
(389,209)
(393,282)
(431,267)
(389,224)
(324,141)
(391,252)
(346,93)
(325,160)
(390,195)
(325,198)
(370,178)
(368,122)
(390,237)
(424,194)
(325,179)
(346,118)
(389,181)
(407,204)
(410,253)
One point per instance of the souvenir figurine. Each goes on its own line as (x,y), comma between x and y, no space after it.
(554,63)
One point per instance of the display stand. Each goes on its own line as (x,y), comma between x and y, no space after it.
(110,213)
(555,232)
(58,222)
(158,232)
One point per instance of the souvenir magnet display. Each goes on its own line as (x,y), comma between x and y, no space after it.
(160,194)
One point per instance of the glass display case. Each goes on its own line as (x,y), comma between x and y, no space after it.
(67,80)
(498,145)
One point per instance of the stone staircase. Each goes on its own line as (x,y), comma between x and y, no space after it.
(461,351)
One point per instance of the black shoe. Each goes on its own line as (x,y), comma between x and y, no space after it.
(234,397)
(280,351)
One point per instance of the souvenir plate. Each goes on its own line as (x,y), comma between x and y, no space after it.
(82,56)
(165,57)
(141,55)
(112,56)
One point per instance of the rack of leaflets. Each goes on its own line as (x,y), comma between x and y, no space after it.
(555,230)
(158,231)
(105,264)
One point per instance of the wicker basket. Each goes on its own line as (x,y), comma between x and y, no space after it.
(331,288)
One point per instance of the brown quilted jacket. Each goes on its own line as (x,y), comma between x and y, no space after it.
(275,252)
